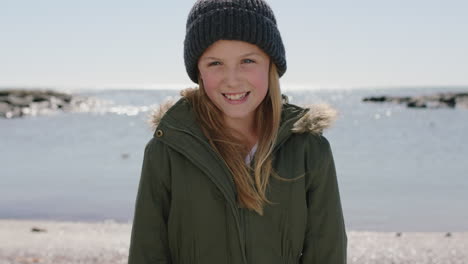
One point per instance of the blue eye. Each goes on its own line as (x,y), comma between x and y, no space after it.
(213,63)
(248,61)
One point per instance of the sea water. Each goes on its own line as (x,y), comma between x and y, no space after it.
(399,169)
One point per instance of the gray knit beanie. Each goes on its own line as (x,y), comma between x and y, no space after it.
(251,21)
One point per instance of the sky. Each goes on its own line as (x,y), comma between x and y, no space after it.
(139,44)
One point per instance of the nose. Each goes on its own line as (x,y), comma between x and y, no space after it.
(232,76)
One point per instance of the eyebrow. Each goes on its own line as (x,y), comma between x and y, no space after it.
(245,55)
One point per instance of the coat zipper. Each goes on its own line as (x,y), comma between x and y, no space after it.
(245,235)
(228,235)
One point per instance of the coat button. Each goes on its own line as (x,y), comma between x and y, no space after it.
(159,133)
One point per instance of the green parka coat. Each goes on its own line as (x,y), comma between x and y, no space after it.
(186,210)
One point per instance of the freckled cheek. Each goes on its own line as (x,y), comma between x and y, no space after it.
(210,83)
(259,79)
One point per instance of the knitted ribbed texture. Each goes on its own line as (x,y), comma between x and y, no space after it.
(252,21)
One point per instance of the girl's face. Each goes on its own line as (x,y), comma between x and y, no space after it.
(235,77)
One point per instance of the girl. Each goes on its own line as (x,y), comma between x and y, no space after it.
(234,173)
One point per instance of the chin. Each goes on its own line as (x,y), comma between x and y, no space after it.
(238,115)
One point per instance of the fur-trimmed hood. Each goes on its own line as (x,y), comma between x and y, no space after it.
(317,118)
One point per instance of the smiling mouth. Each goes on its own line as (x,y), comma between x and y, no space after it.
(237,96)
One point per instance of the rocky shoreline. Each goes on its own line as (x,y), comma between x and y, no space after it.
(30,241)
(16,103)
(23,102)
(440,100)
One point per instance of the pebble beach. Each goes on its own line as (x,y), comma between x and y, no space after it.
(30,241)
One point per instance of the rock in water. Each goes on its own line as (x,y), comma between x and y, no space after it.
(21,102)
(440,100)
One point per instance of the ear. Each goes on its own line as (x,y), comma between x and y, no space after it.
(200,80)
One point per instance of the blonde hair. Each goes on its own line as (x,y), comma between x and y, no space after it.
(233,149)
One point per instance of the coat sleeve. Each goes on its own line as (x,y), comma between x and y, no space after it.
(325,239)
(149,239)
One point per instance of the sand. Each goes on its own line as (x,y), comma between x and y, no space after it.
(107,242)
